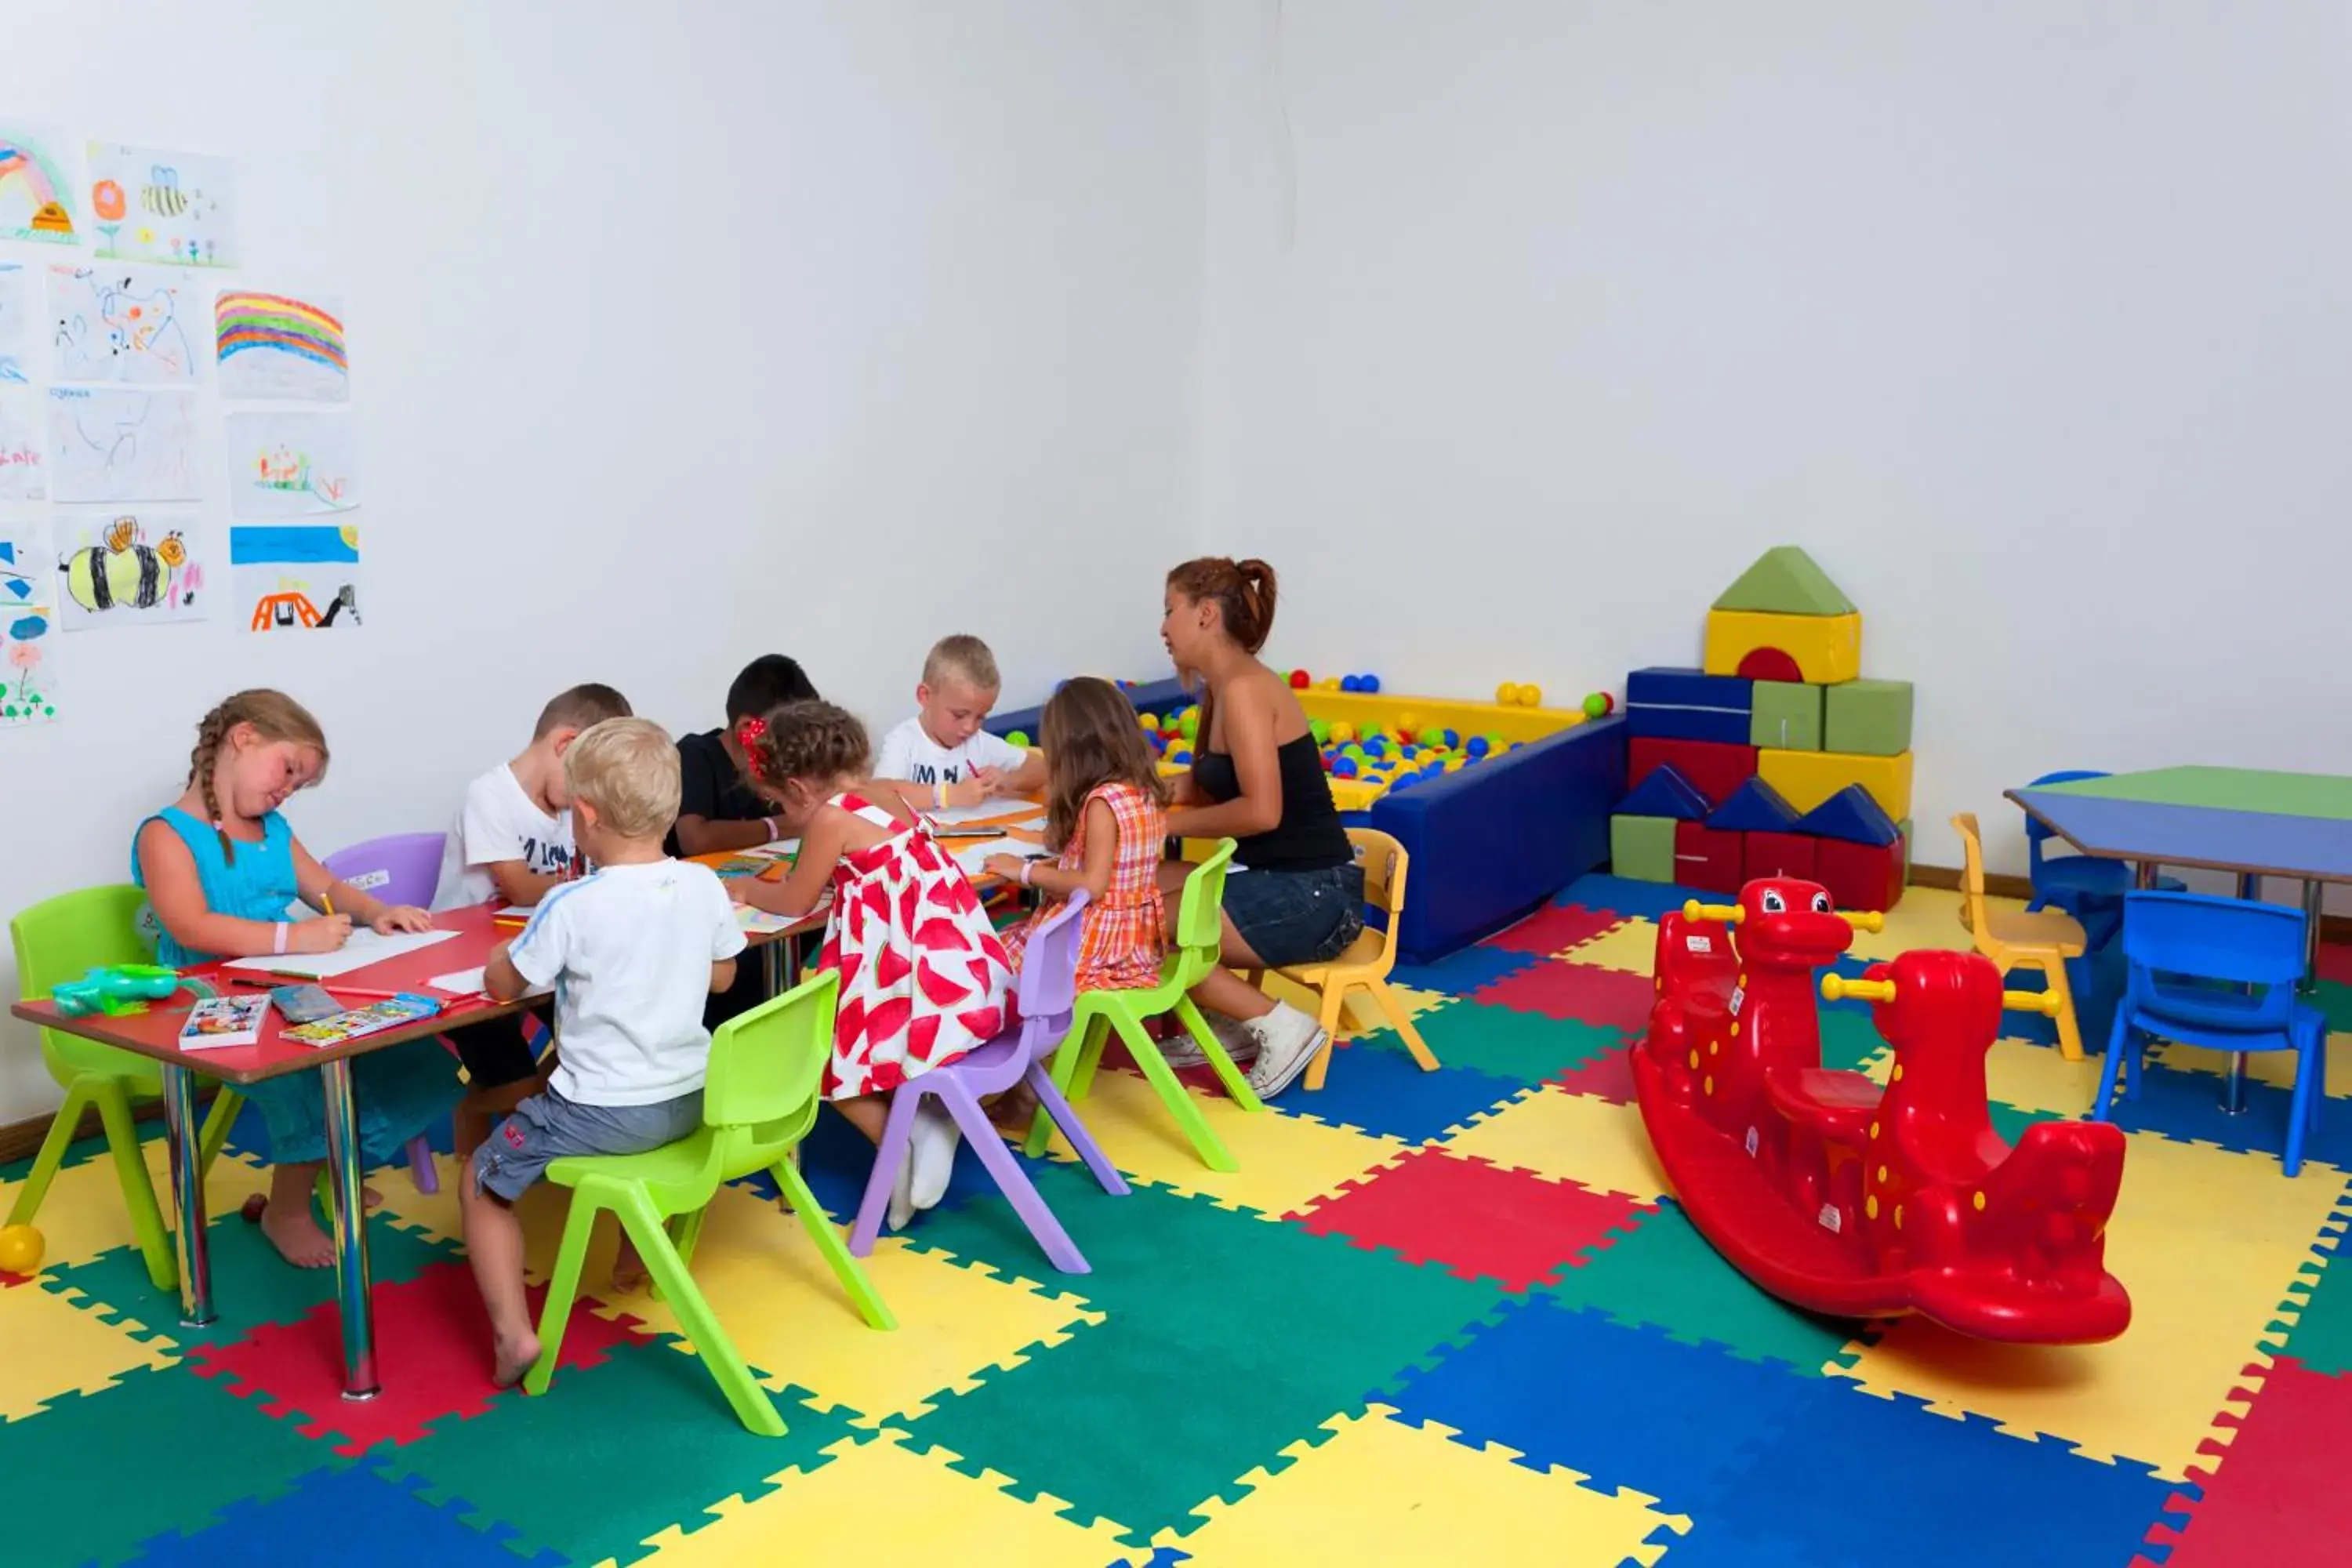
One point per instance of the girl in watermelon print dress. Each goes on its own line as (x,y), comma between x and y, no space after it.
(923,976)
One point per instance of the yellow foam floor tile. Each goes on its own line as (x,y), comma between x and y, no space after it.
(787,1314)
(1286,1161)
(1379,1490)
(2274,1068)
(1631,948)
(1569,1138)
(2036,1078)
(2208,1242)
(881,1502)
(52,1345)
(83,1213)
(1926,918)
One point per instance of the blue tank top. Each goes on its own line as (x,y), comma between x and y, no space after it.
(258,887)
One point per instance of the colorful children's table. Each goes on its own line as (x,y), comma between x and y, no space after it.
(2243,820)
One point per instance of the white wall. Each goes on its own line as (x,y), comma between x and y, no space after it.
(678,336)
(2031,320)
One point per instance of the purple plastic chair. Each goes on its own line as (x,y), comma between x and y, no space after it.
(1048,993)
(404,869)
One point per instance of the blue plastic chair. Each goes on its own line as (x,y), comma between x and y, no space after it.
(2188,954)
(2084,886)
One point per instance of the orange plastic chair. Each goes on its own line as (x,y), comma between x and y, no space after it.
(2016,938)
(1366,964)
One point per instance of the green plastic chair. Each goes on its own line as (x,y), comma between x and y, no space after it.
(759,1100)
(63,938)
(1198,943)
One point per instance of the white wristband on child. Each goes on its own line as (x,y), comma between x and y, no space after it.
(279,939)
(1026,867)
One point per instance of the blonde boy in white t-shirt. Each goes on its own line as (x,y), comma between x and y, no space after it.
(942,757)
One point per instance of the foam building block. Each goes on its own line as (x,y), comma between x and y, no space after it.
(1872,718)
(1809,778)
(1643,848)
(1853,816)
(1903,836)
(1713,769)
(1666,793)
(1814,648)
(1687,705)
(1777,855)
(1785,581)
(1754,807)
(1705,859)
(1860,876)
(1787,714)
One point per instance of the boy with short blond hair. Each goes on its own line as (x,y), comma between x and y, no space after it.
(942,757)
(637,945)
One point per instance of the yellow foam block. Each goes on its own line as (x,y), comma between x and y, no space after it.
(1827,648)
(1808,778)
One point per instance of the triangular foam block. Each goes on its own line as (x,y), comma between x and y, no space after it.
(1754,807)
(1784,581)
(1850,816)
(1666,793)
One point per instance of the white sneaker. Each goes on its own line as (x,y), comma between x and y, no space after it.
(1184,1051)
(934,1143)
(902,1187)
(1287,1041)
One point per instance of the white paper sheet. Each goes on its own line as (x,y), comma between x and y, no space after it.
(781,850)
(996,812)
(110,445)
(114,325)
(469,982)
(150,204)
(973,856)
(134,566)
(292,465)
(364,948)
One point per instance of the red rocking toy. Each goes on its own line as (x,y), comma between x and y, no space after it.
(1843,1198)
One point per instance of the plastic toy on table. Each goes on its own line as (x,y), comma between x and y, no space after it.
(1840,1196)
(117,990)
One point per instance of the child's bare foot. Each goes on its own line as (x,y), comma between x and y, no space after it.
(297,1236)
(370,1198)
(628,1269)
(515,1359)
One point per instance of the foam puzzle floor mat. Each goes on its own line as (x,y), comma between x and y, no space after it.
(1444,1317)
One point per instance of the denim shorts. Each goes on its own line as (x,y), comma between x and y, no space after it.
(548,1126)
(1296,917)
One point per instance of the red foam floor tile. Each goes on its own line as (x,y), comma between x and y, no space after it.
(1587,995)
(2278,1489)
(433,1356)
(1608,1076)
(1551,931)
(1479,1221)
(2336,964)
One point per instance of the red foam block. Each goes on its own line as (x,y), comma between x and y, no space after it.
(1860,876)
(1715,768)
(1708,857)
(1779,855)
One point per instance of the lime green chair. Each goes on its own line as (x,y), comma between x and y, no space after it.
(1199,920)
(759,1099)
(63,938)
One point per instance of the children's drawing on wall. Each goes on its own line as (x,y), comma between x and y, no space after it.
(292,465)
(36,199)
(113,446)
(304,577)
(274,345)
(16,321)
(23,476)
(153,205)
(28,674)
(130,568)
(115,324)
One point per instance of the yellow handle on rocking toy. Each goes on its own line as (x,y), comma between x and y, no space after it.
(1729,914)
(2043,1002)
(1865,920)
(1838,988)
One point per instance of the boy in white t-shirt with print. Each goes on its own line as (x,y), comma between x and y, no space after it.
(942,756)
(637,947)
(512,842)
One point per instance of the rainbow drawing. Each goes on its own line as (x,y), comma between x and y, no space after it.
(274,345)
(34,198)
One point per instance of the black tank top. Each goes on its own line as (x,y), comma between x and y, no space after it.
(1308,837)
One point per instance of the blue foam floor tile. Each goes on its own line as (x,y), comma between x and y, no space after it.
(1460,973)
(836,1162)
(349,1516)
(2186,1106)
(1624,896)
(1376,1087)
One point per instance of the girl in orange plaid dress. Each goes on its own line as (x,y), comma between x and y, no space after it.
(1106,821)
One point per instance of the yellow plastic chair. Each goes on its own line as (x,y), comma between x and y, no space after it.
(2015,939)
(1366,964)
(759,1099)
(63,938)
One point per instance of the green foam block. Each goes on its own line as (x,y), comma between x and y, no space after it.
(1868,718)
(1785,582)
(1787,714)
(1643,848)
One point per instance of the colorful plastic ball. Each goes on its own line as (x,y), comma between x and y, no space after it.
(1018,738)
(1453,737)
(1530,696)
(1508,694)
(1349,683)
(1321,730)
(1180,754)
(1343,731)
(1478,746)
(1188,726)
(1345,768)
(1369,682)
(1301,681)
(1328,683)
(1597,705)
(20,1249)
(1147,722)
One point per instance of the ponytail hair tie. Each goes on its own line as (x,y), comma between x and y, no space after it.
(749,731)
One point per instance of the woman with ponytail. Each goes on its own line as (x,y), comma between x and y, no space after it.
(1295,894)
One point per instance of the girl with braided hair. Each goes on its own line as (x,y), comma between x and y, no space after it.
(221,869)
(923,976)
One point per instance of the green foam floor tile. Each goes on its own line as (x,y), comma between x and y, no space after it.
(610,1454)
(2322,1337)
(160,1451)
(1525,1047)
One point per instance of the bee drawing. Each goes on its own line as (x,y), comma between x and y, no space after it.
(122,572)
(161,194)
